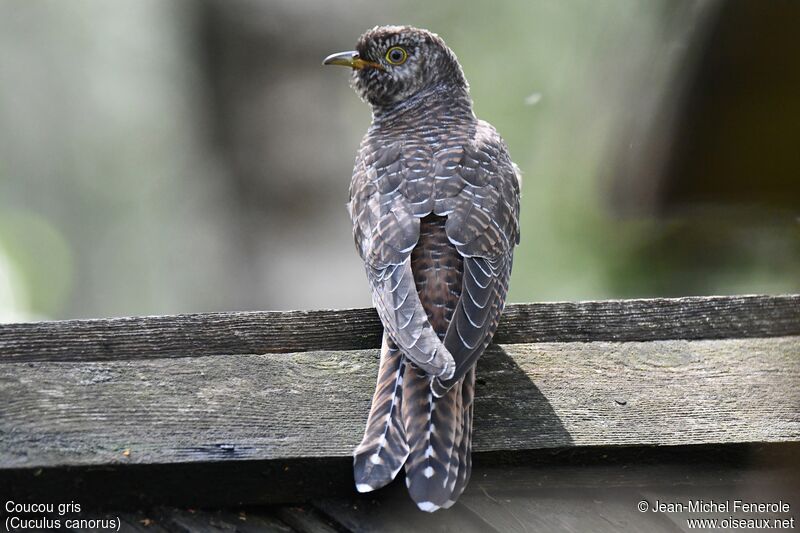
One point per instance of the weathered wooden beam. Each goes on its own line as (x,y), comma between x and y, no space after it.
(194,335)
(313,404)
(226,484)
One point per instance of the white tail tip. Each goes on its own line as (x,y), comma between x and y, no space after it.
(428,507)
(363,487)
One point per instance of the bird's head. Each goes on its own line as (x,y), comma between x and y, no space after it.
(393,63)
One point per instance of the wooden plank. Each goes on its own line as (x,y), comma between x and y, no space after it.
(314,404)
(307,520)
(595,497)
(727,495)
(518,505)
(200,521)
(189,335)
(131,522)
(218,484)
(391,510)
(353,329)
(187,520)
(232,484)
(608,510)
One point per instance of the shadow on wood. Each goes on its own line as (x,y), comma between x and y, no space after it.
(505,395)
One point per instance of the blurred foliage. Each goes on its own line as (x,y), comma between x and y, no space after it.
(37,263)
(596,66)
(193,156)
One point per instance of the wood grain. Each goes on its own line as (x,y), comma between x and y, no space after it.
(356,329)
(524,499)
(227,484)
(314,404)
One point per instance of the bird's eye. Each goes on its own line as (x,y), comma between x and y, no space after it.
(396,55)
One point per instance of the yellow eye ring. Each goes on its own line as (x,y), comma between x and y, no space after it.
(396,55)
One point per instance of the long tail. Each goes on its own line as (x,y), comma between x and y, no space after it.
(384,448)
(408,424)
(439,431)
(464,454)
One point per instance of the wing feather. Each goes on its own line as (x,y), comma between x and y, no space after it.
(483,225)
(386,230)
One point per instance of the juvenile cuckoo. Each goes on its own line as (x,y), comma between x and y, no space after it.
(434,201)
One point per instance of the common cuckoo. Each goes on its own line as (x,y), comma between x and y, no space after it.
(434,201)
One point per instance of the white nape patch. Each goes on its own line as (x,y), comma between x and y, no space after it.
(429,451)
(399,380)
(408,482)
(428,472)
(363,487)
(382,441)
(375,459)
(428,507)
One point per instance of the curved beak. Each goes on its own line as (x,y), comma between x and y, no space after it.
(349,59)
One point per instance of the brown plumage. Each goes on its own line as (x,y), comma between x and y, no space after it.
(434,201)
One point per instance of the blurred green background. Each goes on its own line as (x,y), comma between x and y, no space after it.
(164,157)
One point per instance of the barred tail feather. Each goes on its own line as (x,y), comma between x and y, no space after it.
(384,449)
(432,426)
(455,459)
(464,453)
